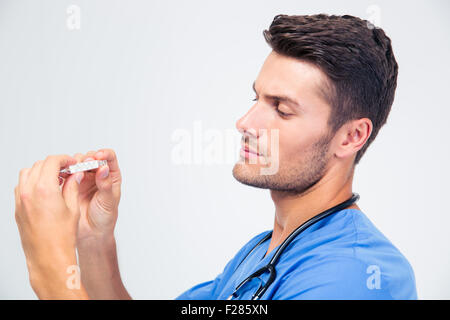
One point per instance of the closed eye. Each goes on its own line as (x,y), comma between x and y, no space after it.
(276,105)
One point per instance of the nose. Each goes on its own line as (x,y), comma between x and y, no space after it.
(248,123)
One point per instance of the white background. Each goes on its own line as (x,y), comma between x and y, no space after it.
(136,71)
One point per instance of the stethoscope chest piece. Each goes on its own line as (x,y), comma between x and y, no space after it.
(262,287)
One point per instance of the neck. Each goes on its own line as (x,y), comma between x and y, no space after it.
(293,210)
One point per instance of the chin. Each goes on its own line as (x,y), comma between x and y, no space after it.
(250,174)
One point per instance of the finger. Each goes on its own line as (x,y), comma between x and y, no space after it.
(78,156)
(102,179)
(33,175)
(50,170)
(71,191)
(17,197)
(110,156)
(63,176)
(89,154)
(23,177)
(18,204)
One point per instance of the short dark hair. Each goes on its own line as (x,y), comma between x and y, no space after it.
(355,55)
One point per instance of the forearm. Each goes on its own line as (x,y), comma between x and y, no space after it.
(56,277)
(100,269)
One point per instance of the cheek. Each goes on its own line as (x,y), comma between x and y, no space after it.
(290,149)
(295,136)
(293,145)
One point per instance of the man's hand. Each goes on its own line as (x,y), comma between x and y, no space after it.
(99,197)
(47,217)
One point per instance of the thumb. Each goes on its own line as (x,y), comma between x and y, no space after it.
(103,180)
(71,190)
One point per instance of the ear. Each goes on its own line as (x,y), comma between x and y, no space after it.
(352,137)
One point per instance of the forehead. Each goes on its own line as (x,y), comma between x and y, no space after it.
(300,80)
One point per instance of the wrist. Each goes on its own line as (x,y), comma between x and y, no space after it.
(56,277)
(97,257)
(96,243)
(100,269)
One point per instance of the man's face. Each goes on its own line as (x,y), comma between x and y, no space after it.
(286,126)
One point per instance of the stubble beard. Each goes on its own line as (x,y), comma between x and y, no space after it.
(295,177)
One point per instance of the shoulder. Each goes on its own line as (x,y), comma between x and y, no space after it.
(336,277)
(346,257)
(382,259)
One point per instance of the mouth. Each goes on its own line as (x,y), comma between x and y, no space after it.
(247,152)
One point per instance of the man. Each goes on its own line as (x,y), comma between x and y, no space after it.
(322,95)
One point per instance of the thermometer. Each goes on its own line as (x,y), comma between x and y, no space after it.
(84,166)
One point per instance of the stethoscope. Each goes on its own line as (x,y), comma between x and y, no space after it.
(270,267)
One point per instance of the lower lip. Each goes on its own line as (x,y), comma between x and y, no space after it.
(246,154)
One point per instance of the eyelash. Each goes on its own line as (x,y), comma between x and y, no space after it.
(276,108)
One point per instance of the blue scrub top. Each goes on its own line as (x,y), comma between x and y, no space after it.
(343,256)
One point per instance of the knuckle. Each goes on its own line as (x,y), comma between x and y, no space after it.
(42,190)
(111,152)
(89,154)
(78,156)
(24,196)
(22,171)
(37,163)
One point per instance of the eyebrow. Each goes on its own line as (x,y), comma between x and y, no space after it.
(283,98)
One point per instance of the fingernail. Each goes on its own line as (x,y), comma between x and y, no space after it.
(105,173)
(79,176)
(88,159)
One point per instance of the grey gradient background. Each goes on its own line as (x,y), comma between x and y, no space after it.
(137,71)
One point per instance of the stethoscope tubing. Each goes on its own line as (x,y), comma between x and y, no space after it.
(270,267)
